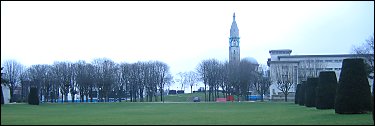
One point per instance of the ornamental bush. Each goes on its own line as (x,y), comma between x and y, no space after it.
(33,96)
(310,91)
(2,97)
(296,95)
(301,93)
(326,90)
(353,92)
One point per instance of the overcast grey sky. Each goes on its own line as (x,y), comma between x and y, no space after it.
(179,33)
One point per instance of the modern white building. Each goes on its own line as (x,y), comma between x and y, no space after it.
(296,68)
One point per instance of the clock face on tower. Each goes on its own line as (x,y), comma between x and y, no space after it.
(234,42)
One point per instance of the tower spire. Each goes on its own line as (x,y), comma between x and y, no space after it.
(234,16)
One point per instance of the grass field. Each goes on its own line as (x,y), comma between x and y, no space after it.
(277,113)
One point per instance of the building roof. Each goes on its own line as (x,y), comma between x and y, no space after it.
(281,50)
(283,61)
(332,55)
(234,29)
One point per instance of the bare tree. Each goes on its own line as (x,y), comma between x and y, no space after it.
(248,76)
(262,82)
(37,76)
(125,76)
(163,77)
(283,76)
(364,50)
(25,84)
(234,79)
(192,79)
(310,68)
(85,80)
(182,79)
(189,78)
(63,74)
(202,69)
(209,72)
(105,76)
(12,72)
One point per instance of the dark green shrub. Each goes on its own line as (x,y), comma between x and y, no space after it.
(353,92)
(326,90)
(310,91)
(33,98)
(2,97)
(301,93)
(296,95)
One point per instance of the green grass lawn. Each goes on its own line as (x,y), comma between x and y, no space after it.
(278,113)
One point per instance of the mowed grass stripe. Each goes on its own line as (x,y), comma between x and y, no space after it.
(276,113)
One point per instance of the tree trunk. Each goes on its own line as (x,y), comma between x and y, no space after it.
(141,95)
(191,89)
(66,97)
(2,96)
(81,96)
(119,95)
(286,97)
(161,95)
(90,94)
(73,97)
(87,97)
(11,89)
(205,92)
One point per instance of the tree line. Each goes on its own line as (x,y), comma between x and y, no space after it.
(233,78)
(102,79)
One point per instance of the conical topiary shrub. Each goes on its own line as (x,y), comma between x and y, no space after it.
(33,96)
(2,97)
(301,93)
(326,90)
(296,95)
(353,92)
(310,91)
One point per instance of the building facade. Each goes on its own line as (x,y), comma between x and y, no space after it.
(296,68)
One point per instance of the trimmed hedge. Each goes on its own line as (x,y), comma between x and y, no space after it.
(2,97)
(296,95)
(310,92)
(301,93)
(33,96)
(353,92)
(326,90)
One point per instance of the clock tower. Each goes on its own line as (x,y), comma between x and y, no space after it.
(234,42)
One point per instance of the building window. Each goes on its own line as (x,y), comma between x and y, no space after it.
(328,60)
(337,68)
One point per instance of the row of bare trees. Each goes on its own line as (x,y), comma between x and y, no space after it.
(102,79)
(233,78)
(189,78)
